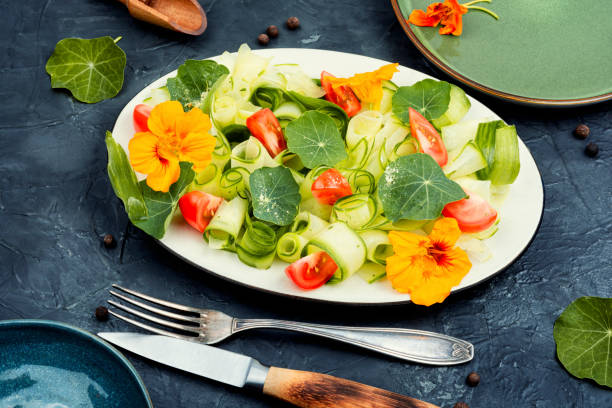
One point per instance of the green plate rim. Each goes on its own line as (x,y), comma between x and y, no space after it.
(42,323)
(527,100)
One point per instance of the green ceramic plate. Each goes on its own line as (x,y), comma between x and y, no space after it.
(553,52)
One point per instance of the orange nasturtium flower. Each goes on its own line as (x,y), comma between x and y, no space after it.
(173,136)
(427,267)
(448,13)
(368,85)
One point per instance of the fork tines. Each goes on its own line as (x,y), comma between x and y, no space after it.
(194,317)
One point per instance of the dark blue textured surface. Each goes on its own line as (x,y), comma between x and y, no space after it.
(56,204)
(43,363)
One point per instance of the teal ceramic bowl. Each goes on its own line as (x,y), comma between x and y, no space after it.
(50,364)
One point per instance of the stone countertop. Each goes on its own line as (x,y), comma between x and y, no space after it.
(56,203)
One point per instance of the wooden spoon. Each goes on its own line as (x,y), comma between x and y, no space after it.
(185,16)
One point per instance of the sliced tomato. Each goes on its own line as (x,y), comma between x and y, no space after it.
(265,127)
(473,214)
(141,117)
(428,137)
(198,208)
(342,96)
(312,271)
(330,186)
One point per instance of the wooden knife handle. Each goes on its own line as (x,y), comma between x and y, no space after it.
(313,390)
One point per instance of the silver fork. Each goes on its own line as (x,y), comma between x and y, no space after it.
(211,326)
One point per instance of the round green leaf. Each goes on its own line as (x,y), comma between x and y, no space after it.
(414,187)
(275,195)
(583,334)
(92,70)
(315,138)
(429,97)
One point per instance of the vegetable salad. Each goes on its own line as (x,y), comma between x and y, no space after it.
(318,172)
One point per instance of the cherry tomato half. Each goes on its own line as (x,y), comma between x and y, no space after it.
(429,140)
(312,271)
(198,208)
(265,127)
(342,96)
(473,214)
(330,186)
(141,117)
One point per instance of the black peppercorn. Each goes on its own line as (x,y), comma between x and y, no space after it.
(591,149)
(293,23)
(109,241)
(461,405)
(263,39)
(101,313)
(272,31)
(582,131)
(473,379)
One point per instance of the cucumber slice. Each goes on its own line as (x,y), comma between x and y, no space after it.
(233,182)
(378,247)
(158,96)
(458,106)
(499,145)
(298,81)
(308,225)
(251,155)
(313,206)
(288,111)
(371,272)
(475,248)
(361,181)
(488,233)
(469,161)
(344,245)
(457,135)
(225,226)
(290,246)
(257,246)
(357,210)
(479,187)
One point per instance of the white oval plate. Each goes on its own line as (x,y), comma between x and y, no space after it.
(520,215)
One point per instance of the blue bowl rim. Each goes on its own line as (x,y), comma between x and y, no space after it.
(17,323)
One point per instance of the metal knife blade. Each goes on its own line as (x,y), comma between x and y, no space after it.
(210,362)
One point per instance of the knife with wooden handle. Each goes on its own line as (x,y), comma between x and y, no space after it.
(302,388)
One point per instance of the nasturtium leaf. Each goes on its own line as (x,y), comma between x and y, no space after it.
(193,81)
(429,97)
(161,206)
(315,138)
(414,187)
(583,334)
(123,179)
(92,70)
(275,195)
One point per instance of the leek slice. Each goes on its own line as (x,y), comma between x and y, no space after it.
(378,246)
(308,225)
(257,246)
(290,246)
(345,247)
(225,225)
(357,210)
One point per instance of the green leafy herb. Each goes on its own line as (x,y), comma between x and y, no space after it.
(149,210)
(414,187)
(315,138)
(161,206)
(193,81)
(583,334)
(275,195)
(321,105)
(92,70)
(123,179)
(429,97)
